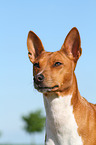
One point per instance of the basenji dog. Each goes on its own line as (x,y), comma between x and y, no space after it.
(70,119)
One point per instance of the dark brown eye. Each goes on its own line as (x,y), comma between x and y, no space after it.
(57,64)
(37,65)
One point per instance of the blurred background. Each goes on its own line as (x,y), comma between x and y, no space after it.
(51,20)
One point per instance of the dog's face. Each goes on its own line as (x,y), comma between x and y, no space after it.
(53,71)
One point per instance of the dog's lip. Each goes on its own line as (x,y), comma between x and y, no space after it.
(45,88)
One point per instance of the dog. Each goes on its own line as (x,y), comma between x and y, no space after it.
(70,118)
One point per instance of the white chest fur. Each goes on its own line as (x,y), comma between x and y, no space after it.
(61,127)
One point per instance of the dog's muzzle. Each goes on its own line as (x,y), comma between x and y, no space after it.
(40,86)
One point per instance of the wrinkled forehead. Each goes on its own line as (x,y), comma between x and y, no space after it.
(51,57)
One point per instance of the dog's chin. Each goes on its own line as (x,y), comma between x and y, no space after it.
(44,89)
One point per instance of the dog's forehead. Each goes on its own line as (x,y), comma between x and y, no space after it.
(51,56)
(44,56)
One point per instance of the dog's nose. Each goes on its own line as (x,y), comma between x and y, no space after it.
(38,78)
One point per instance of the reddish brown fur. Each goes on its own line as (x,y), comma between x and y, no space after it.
(52,78)
(64,77)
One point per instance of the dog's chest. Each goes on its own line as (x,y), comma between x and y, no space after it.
(61,127)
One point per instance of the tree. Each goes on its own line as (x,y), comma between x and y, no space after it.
(34,122)
(0,134)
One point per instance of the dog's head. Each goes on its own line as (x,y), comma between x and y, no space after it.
(53,71)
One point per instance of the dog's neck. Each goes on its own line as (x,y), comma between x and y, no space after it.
(61,127)
(71,90)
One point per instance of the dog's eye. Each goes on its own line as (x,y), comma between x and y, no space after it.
(37,65)
(57,64)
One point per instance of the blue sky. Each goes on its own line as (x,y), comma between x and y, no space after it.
(51,21)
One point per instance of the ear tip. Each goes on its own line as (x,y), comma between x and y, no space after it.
(75,30)
(30,33)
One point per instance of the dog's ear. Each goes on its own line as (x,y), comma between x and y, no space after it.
(72,45)
(34,45)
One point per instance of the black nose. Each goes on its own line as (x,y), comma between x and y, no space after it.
(38,78)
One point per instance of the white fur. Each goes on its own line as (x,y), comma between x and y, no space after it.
(61,127)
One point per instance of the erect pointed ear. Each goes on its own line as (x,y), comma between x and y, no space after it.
(34,45)
(72,45)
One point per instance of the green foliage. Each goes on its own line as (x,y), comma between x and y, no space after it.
(0,134)
(34,122)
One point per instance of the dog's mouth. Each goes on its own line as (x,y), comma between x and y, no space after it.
(45,88)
